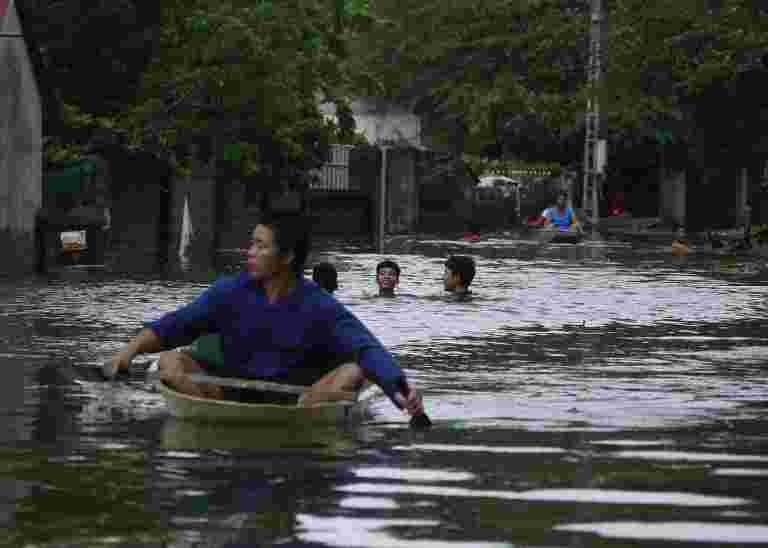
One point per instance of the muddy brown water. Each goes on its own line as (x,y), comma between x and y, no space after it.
(604,394)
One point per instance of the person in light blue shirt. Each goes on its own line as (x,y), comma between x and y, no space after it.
(560,216)
(274,325)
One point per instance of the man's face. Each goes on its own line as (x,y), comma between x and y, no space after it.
(263,258)
(387,278)
(561,201)
(450,279)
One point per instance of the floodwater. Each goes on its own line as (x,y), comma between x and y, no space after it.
(591,395)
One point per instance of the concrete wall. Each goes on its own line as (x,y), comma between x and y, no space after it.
(238,210)
(341,213)
(20,152)
(672,198)
(402,190)
(715,196)
(140,198)
(445,194)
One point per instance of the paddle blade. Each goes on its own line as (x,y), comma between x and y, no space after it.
(420,422)
(417,422)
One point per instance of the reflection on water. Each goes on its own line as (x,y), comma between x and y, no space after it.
(595,394)
(685,531)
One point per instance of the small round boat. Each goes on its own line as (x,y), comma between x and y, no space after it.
(566,237)
(549,235)
(187,407)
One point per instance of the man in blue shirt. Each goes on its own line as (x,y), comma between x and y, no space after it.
(275,325)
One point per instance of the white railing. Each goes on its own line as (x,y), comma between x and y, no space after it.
(334,175)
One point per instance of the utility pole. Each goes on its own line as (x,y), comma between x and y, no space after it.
(594,147)
(382,199)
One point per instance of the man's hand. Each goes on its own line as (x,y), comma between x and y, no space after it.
(411,401)
(145,342)
(119,362)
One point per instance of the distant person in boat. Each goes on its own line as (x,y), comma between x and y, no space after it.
(458,275)
(561,216)
(387,277)
(325,275)
(275,325)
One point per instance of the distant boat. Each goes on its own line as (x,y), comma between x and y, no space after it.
(549,235)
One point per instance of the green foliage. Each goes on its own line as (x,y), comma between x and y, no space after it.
(760,233)
(505,78)
(82,129)
(247,78)
(512,74)
(241,78)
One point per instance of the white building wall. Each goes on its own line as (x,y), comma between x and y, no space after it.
(20,137)
(382,122)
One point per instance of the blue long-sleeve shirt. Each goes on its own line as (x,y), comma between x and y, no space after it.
(269,340)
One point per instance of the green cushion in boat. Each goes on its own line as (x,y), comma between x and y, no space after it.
(208,349)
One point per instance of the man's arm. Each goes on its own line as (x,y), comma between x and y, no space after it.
(172,330)
(575,221)
(351,336)
(145,342)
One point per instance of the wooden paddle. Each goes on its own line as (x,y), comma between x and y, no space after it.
(109,372)
(246,384)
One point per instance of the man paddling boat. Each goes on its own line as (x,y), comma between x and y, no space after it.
(276,326)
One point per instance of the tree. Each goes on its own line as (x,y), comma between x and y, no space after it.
(89,58)
(245,78)
(240,79)
(512,75)
(506,73)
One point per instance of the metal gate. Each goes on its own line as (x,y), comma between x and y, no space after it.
(333,176)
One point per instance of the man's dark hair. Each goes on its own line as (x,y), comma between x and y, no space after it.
(325,275)
(291,234)
(462,265)
(388,263)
